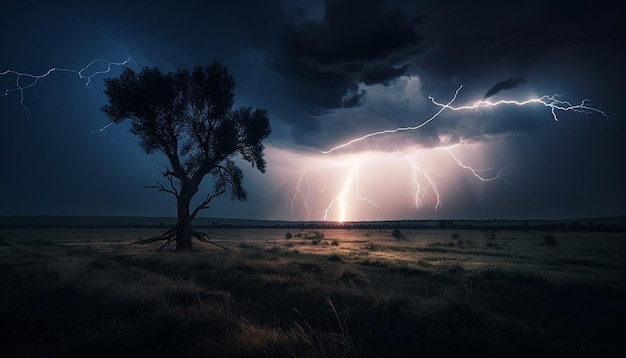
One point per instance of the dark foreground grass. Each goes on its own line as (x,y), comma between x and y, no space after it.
(60,300)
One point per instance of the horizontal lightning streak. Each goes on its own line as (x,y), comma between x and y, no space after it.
(401,129)
(22,77)
(483,175)
(551,102)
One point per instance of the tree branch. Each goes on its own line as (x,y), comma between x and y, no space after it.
(205,203)
(226,177)
(169,178)
(169,174)
(159,187)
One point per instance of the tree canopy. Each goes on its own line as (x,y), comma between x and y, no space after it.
(189,117)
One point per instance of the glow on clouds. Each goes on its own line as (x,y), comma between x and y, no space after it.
(414,167)
(370,185)
(382,178)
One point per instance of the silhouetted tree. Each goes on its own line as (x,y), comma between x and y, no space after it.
(188,116)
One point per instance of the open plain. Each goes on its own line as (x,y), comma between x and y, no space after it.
(313,292)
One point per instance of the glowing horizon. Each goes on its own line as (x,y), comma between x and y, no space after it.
(374,185)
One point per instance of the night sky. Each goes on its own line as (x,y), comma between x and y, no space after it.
(329,72)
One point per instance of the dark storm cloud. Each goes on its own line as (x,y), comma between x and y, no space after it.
(327,61)
(355,42)
(479,44)
(508,84)
(477,40)
(328,72)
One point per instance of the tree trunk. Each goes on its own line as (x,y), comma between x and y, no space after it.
(183,225)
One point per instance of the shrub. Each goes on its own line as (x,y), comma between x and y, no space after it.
(310,267)
(288,236)
(335,257)
(397,234)
(456,235)
(549,240)
(353,276)
(335,242)
(370,247)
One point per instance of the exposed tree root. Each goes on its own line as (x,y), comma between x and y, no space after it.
(170,235)
(205,238)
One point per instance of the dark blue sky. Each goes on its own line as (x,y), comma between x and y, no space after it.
(329,72)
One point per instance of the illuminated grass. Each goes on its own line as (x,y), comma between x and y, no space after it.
(72,294)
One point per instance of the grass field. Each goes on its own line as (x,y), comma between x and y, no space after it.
(324,293)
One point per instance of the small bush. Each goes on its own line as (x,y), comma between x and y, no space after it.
(310,267)
(335,242)
(353,276)
(375,263)
(455,235)
(370,247)
(397,234)
(335,258)
(423,263)
(288,236)
(407,269)
(549,240)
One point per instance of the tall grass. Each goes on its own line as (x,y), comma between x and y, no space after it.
(401,299)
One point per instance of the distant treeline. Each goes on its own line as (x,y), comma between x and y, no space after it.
(491,225)
(611,224)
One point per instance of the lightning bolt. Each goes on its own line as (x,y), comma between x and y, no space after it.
(420,194)
(400,129)
(299,192)
(419,173)
(478,173)
(279,185)
(25,81)
(553,102)
(358,192)
(342,201)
